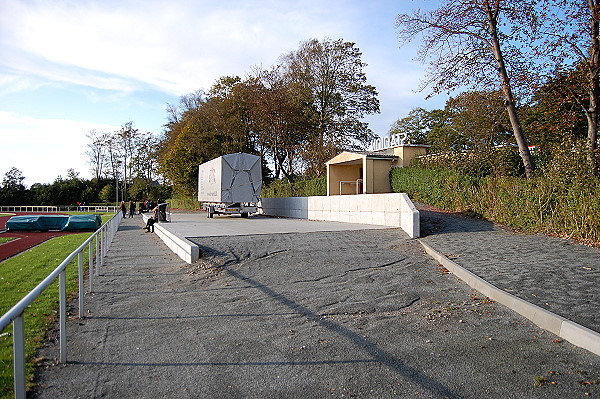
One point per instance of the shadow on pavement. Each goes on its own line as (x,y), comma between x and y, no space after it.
(378,355)
(434,222)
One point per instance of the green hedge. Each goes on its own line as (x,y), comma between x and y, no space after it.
(300,188)
(568,208)
(186,203)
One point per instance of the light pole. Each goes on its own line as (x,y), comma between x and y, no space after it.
(117,183)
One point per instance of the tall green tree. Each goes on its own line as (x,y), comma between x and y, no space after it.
(281,120)
(13,191)
(203,127)
(555,114)
(420,126)
(481,118)
(332,71)
(471,43)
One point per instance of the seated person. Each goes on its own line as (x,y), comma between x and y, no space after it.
(150,225)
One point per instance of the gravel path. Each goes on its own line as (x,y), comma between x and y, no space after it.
(303,315)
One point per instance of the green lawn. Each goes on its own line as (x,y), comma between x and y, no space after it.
(6,239)
(19,275)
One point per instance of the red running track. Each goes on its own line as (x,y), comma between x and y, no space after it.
(25,239)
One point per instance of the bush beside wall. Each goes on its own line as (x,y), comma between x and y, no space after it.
(552,206)
(300,188)
(185,203)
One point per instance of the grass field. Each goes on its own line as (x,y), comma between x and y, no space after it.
(6,239)
(19,275)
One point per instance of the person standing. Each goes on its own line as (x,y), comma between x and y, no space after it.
(123,209)
(131,208)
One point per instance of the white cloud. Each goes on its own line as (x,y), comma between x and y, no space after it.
(44,149)
(91,43)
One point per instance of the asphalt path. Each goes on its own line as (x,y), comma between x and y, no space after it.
(346,313)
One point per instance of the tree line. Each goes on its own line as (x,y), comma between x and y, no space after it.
(129,158)
(123,165)
(531,70)
(475,127)
(296,115)
(73,190)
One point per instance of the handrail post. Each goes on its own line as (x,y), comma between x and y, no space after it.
(104,240)
(62,282)
(98,252)
(19,356)
(90,265)
(81,287)
(102,245)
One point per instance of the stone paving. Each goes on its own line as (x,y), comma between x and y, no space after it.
(556,274)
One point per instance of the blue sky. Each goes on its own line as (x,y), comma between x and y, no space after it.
(67,67)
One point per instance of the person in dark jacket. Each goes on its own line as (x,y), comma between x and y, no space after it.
(150,225)
(123,209)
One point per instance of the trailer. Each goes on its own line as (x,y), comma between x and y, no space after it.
(230,184)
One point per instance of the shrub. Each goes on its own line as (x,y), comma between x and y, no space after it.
(299,188)
(503,161)
(564,206)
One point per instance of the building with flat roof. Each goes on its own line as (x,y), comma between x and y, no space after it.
(367,172)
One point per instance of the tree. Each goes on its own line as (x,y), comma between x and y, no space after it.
(127,139)
(572,42)
(480,117)
(332,72)
(468,47)
(97,152)
(418,125)
(126,154)
(13,192)
(555,114)
(13,178)
(280,116)
(107,193)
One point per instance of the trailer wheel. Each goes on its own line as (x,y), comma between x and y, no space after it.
(244,214)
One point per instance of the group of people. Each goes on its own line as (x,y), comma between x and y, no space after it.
(144,207)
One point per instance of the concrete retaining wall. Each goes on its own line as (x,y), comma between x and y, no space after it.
(394,209)
(181,246)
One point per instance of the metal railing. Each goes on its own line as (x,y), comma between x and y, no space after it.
(43,208)
(104,236)
(28,208)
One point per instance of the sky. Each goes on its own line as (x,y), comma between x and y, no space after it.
(69,67)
